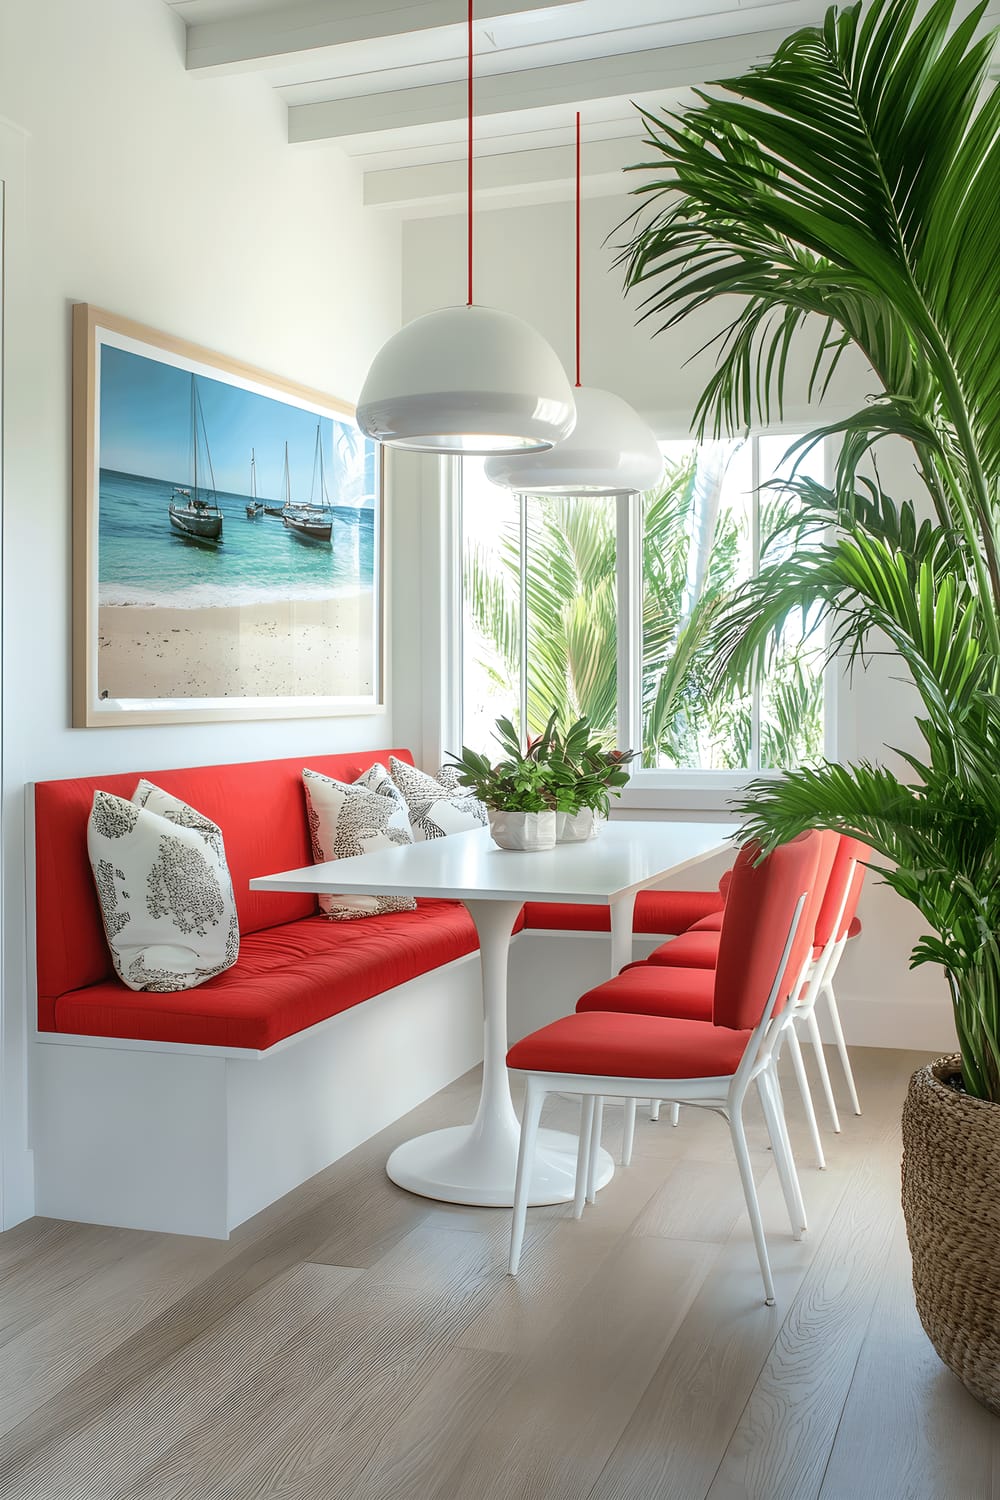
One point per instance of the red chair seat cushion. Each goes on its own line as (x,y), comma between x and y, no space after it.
(692,950)
(711,923)
(596,1043)
(655,990)
(286,979)
(655,911)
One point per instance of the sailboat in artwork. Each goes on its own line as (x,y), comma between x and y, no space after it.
(256,506)
(286,489)
(312,522)
(194,513)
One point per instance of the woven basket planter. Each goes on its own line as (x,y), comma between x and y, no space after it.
(951,1203)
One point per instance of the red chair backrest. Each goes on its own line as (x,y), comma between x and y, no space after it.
(759,911)
(850,852)
(862,852)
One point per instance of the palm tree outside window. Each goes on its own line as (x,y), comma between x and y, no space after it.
(546,605)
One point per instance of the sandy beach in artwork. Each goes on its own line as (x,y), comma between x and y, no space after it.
(307,647)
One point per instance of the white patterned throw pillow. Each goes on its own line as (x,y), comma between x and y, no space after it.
(351,818)
(164,888)
(437,806)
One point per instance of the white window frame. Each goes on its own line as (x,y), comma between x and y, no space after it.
(684,790)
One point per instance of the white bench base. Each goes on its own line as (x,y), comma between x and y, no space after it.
(194,1140)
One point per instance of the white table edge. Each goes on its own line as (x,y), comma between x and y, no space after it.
(314,879)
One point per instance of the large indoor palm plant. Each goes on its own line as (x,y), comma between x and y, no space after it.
(848,190)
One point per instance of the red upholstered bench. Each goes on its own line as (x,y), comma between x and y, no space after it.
(191,1111)
(295,968)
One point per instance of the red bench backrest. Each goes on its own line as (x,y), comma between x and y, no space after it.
(260,807)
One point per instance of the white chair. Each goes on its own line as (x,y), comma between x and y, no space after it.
(705,1063)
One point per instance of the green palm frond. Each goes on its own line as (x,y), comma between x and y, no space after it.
(494,606)
(851,180)
(792,714)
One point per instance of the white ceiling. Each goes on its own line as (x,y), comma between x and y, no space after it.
(384,80)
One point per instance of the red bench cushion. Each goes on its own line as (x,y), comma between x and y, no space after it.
(286,979)
(655,911)
(260,807)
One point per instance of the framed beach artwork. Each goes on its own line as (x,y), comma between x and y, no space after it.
(228,552)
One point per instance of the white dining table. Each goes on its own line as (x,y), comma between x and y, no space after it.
(475,1163)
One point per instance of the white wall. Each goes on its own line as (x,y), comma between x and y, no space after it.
(178,202)
(524,264)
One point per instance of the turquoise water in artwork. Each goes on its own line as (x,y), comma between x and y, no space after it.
(160,424)
(143,560)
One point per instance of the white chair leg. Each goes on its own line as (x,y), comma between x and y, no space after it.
(838,1036)
(595,1146)
(628,1131)
(783,1159)
(739,1138)
(675,1115)
(824,1072)
(534,1099)
(654,1109)
(787,1142)
(583,1154)
(803,1082)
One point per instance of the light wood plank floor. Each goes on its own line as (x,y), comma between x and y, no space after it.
(356,1343)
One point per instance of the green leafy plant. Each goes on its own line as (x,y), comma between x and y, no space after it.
(586,771)
(850,185)
(551,772)
(517,783)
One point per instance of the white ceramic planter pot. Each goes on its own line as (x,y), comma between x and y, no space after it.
(523,830)
(576,828)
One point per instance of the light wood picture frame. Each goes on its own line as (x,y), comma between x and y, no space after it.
(228,538)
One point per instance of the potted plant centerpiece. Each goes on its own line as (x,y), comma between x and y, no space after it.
(551,789)
(585,772)
(850,185)
(515,790)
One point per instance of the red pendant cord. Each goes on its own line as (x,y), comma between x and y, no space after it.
(578,249)
(470,156)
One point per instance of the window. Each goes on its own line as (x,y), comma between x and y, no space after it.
(603,607)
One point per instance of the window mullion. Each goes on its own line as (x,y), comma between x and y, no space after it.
(522,690)
(449,507)
(755,566)
(629,613)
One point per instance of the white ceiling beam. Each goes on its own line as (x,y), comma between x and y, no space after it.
(289,34)
(435,183)
(623,75)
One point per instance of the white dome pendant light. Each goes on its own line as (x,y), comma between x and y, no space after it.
(467,379)
(611,450)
